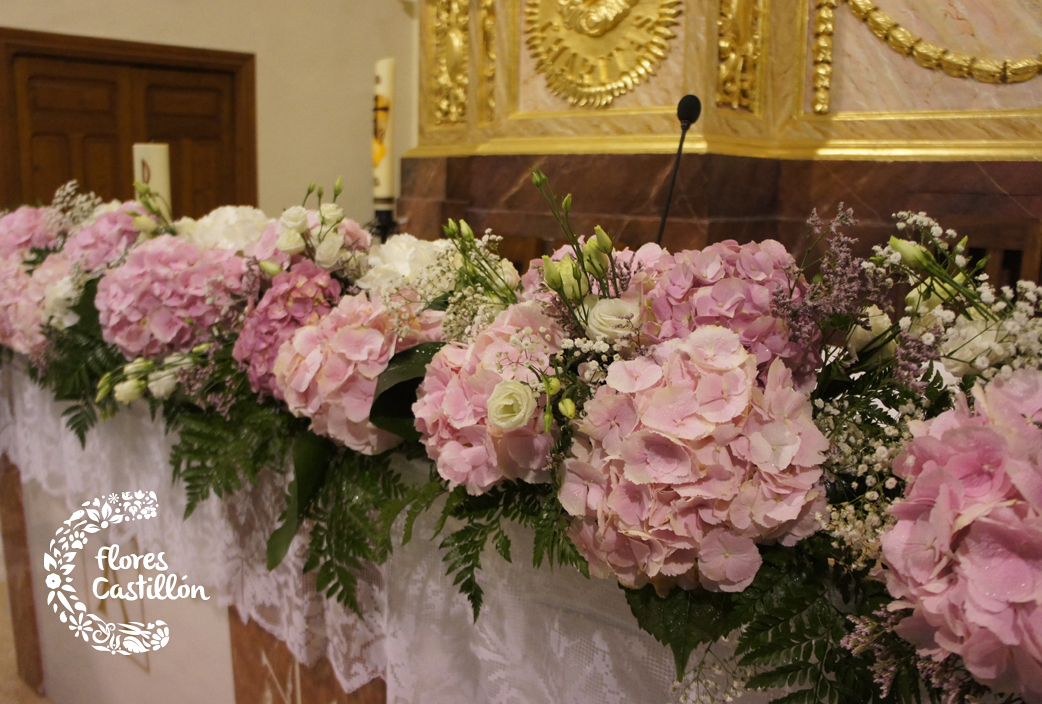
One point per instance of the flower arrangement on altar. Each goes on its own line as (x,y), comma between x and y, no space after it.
(840,484)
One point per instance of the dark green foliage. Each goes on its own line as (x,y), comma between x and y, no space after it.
(683,620)
(218,449)
(532,505)
(349,529)
(215,453)
(76,360)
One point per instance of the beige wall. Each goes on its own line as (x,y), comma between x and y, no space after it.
(314,74)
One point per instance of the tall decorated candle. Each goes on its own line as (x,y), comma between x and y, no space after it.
(383,135)
(152,167)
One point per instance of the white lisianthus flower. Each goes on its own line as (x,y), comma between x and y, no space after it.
(972,346)
(913,254)
(402,257)
(230,227)
(327,254)
(58,299)
(128,391)
(859,338)
(290,241)
(295,218)
(610,318)
(331,212)
(509,273)
(179,360)
(162,383)
(511,405)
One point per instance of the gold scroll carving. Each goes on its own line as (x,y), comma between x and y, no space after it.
(487,54)
(936,57)
(450,63)
(824,27)
(742,29)
(593,51)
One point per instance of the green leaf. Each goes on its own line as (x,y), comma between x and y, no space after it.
(311,458)
(392,410)
(683,620)
(396,390)
(407,365)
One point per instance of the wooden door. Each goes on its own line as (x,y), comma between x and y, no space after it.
(72,107)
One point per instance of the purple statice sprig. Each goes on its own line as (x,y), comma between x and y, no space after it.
(841,290)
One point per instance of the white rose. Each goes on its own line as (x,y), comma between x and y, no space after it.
(859,338)
(511,405)
(327,254)
(162,383)
(295,218)
(331,212)
(610,318)
(129,390)
(972,346)
(290,241)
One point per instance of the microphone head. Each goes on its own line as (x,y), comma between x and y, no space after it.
(689,109)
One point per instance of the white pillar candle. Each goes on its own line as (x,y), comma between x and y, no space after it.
(152,167)
(383,135)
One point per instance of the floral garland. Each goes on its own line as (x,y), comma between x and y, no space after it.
(767,453)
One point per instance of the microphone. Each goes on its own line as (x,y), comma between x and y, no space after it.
(688,112)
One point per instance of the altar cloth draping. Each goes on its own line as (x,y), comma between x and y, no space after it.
(543,635)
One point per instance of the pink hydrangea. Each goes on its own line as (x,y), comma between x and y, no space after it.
(22,313)
(328,372)
(167,296)
(966,552)
(298,297)
(685,461)
(452,403)
(106,239)
(27,228)
(733,286)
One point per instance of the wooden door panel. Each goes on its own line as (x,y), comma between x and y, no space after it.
(48,166)
(71,126)
(72,107)
(194,113)
(101,164)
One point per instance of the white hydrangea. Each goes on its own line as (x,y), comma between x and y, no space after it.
(229,227)
(402,260)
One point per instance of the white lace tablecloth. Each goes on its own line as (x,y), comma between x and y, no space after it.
(543,636)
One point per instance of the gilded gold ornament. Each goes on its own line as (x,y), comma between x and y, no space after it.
(450,61)
(824,26)
(935,57)
(593,51)
(741,49)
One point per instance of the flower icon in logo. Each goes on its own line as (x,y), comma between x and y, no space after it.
(81,626)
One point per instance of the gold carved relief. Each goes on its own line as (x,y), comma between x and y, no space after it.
(824,26)
(593,51)
(450,63)
(932,56)
(487,52)
(741,42)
